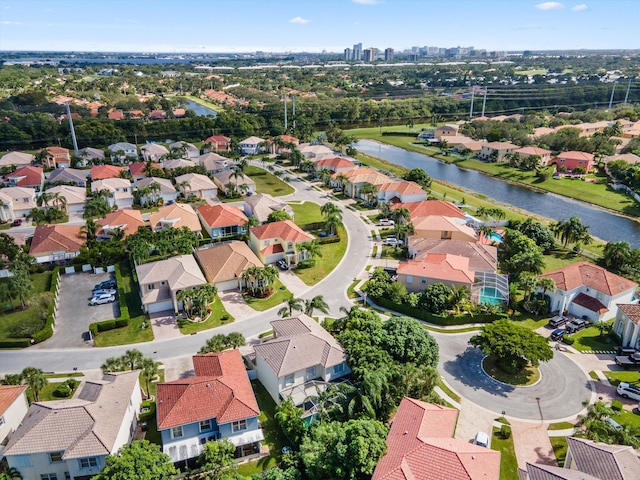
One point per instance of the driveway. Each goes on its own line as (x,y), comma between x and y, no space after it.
(235,304)
(293,283)
(74,313)
(164,325)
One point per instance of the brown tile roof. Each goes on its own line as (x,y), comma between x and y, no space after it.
(426,208)
(221,215)
(631,310)
(533,151)
(220,390)
(9,394)
(226,261)
(402,187)
(362,175)
(335,162)
(590,303)
(300,342)
(590,275)
(217,139)
(501,145)
(178,214)
(181,271)
(58,150)
(128,220)
(576,155)
(54,238)
(551,472)
(613,462)
(105,171)
(452,268)
(285,230)
(419,446)
(481,257)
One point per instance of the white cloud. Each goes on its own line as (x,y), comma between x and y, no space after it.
(580,8)
(5,22)
(366,2)
(550,6)
(299,20)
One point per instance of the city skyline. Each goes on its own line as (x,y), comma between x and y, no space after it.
(193,26)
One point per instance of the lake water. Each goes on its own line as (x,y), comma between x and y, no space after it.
(199,109)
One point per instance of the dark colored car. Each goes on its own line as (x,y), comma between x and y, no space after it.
(105,284)
(17,222)
(557,321)
(282,265)
(576,324)
(558,334)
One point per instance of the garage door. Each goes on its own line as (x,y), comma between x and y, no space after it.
(160,306)
(228,285)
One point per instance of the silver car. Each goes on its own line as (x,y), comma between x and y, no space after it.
(102,299)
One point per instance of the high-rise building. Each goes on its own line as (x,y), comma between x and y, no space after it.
(348,54)
(388,54)
(357,52)
(370,54)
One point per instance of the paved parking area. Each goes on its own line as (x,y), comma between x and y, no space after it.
(74,313)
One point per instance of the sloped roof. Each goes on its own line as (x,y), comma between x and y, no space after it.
(225,177)
(530,150)
(362,175)
(57,150)
(80,427)
(335,162)
(212,161)
(128,220)
(437,223)
(73,195)
(590,303)
(110,184)
(440,266)
(576,155)
(221,215)
(68,175)
(138,168)
(124,146)
(263,204)
(284,229)
(419,446)
(184,215)
(105,171)
(611,462)
(500,145)
(154,149)
(9,394)
(590,275)
(91,152)
(402,187)
(300,342)
(17,158)
(631,310)
(217,139)
(220,390)
(18,194)
(427,208)
(251,141)
(197,182)
(552,472)
(165,184)
(180,272)
(226,261)
(55,238)
(481,257)
(177,163)
(30,176)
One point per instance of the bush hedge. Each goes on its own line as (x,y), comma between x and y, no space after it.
(18,343)
(399,134)
(124,318)
(47,330)
(327,240)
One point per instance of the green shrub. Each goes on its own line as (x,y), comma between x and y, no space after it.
(568,340)
(47,331)
(306,263)
(616,405)
(18,343)
(224,317)
(505,432)
(63,391)
(72,383)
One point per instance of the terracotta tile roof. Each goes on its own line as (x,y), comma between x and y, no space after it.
(335,162)
(590,275)
(482,258)
(217,139)
(631,310)
(115,115)
(9,394)
(402,188)
(437,223)
(427,208)
(362,175)
(613,462)
(138,168)
(590,303)
(501,145)
(30,176)
(54,238)
(221,215)
(419,446)
(220,390)
(226,261)
(272,249)
(576,155)
(105,171)
(58,150)
(177,215)
(290,139)
(440,266)
(533,151)
(128,220)
(300,342)
(285,230)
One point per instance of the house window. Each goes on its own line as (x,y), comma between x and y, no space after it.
(620,328)
(176,432)
(311,372)
(266,243)
(290,246)
(409,278)
(48,476)
(423,281)
(239,425)
(151,286)
(288,380)
(88,462)
(55,457)
(21,461)
(446,234)
(338,368)
(205,425)
(1,420)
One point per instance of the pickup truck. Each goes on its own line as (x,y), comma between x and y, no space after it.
(629,361)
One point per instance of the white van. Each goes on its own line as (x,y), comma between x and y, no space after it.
(627,390)
(481,439)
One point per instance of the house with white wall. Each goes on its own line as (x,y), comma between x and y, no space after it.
(13,408)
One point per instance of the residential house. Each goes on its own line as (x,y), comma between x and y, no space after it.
(275,149)
(241,183)
(174,163)
(216,404)
(126,220)
(300,361)
(251,145)
(224,263)
(72,438)
(278,241)
(119,188)
(222,220)
(196,184)
(212,162)
(123,152)
(178,112)
(69,175)
(589,291)
(152,152)
(74,197)
(190,150)
(100,172)
(218,143)
(474,146)
(16,159)
(445,228)
(630,158)
(526,152)
(161,281)
(356,179)
(482,257)
(115,114)
(158,188)
(177,215)
(421,445)
(316,152)
(539,471)
(261,205)
(588,128)
(444,131)
(452,270)
(401,192)
(335,165)
(13,408)
(627,324)
(568,161)
(139,170)
(57,157)
(428,208)
(29,177)
(16,202)
(497,151)
(157,115)
(56,243)
(541,131)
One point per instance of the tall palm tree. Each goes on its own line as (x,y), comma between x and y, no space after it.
(400,215)
(184,186)
(132,358)
(571,231)
(369,192)
(90,229)
(36,381)
(313,249)
(150,369)
(342,180)
(316,303)
(59,201)
(385,209)
(459,298)
(113,364)
(291,305)
(44,199)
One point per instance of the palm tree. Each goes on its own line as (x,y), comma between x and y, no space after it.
(312,249)
(546,284)
(369,192)
(571,231)
(459,298)
(385,209)
(59,201)
(616,255)
(528,282)
(325,175)
(90,229)
(184,186)
(316,303)
(149,369)
(132,358)
(342,180)
(44,198)
(35,379)
(236,340)
(11,474)
(400,215)
(332,215)
(185,296)
(113,364)
(291,305)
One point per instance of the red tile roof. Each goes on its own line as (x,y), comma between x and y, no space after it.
(272,249)
(285,230)
(221,215)
(576,155)
(419,446)
(217,139)
(58,150)
(9,394)
(441,266)
(54,238)
(590,303)
(131,219)
(32,176)
(402,187)
(115,115)
(533,151)
(335,162)
(427,208)
(137,168)
(631,310)
(220,390)
(100,172)
(590,275)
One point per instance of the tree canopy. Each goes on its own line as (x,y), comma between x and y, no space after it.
(138,460)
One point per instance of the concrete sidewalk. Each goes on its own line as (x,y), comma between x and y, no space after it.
(532,444)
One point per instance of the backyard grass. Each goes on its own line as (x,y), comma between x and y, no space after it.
(560,426)
(306,213)
(590,339)
(332,253)
(508,460)
(152,434)
(453,395)
(560,446)
(628,418)
(267,182)
(280,294)
(393,253)
(622,376)
(214,320)
(527,376)
(46,394)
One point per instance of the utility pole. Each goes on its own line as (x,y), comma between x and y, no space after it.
(473,93)
(284,94)
(73,132)
(293,110)
(626,97)
(484,100)
(613,90)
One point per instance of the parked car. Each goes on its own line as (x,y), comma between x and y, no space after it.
(104,291)
(386,222)
(102,299)
(629,361)
(17,222)
(282,265)
(105,284)
(576,324)
(393,242)
(558,334)
(481,439)
(625,350)
(557,321)
(627,390)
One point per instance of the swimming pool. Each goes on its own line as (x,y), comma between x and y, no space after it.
(496,237)
(491,295)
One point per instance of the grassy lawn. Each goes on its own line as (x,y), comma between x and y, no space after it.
(590,339)
(152,434)
(154,382)
(281,294)
(394,253)
(448,391)
(46,394)
(528,376)
(628,418)
(560,446)
(351,289)
(214,320)
(332,253)
(204,103)
(508,460)
(273,435)
(560,426)
(64,375)
(306,213)
(622,376)
(41,283)
(267,182)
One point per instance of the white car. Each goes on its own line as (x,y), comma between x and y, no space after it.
(392,242)
(102,299)
(103,291)
(481,439)
(385,222)
(627,390)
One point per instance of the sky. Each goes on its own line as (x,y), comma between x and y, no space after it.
(315,25)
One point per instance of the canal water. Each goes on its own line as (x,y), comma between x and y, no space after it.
(602,224)
(199,109)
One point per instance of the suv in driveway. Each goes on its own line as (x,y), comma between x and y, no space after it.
(557,321)
(576,324)
(558,334)
(105,284)
(392,241)
(102,299)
